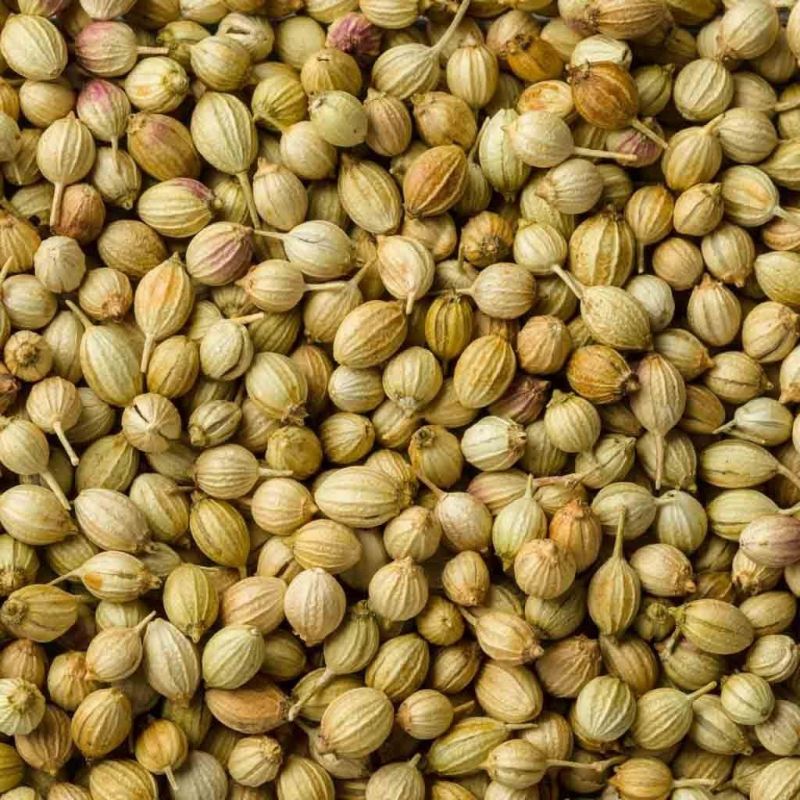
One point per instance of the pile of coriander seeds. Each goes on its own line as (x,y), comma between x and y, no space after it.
(398,399)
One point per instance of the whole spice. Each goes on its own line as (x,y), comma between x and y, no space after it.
(605,95)
(614,592)
(600,304)
(161,748)
(359,279)
(714,626)
(101,722)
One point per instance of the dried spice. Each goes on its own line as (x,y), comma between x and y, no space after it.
(344,454)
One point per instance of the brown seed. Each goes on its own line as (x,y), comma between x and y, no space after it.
(567,666)
(600,374)
(435,181)
(605,95)
(257,707)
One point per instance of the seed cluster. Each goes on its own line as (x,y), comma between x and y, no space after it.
(398,400)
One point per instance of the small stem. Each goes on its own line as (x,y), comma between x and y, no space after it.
(659,460)
(651,135)
(468,616)
(267,472)
(71,454)
(588,472)
(726,427)
(410,300)
(52,483)
(145,622)
(358,276)
(693,782)
(589,152)
(270,234)
(610,762)
(468,706)
(170,776)
(788,215)
(152,51)
(149,345)
(672,641)
(701,691)
(297,707)
(572,284)
(640,268)
(619,540)
(597,766)
(78,312)
(520,726)
(451,28)
(788,474)
(4,273)
(550,480)
(415,760)
(244,182)
(789,511)
(439,493)
(115,149)
(529,487)
(55,209)
(248,318)
(460,262)
(327,285)
(786,105)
